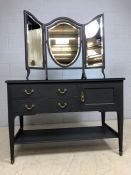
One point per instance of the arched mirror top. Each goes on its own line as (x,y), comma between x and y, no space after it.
(64,42)
(30,16)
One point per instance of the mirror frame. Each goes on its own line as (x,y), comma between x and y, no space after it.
(26,15)
(45,45)
(68,21)
(103,59)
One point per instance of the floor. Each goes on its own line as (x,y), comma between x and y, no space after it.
(97,157)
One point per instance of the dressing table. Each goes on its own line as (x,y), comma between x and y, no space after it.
(63,39)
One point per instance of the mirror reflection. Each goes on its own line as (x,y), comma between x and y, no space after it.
(94,43)
(34,43)
(64,43)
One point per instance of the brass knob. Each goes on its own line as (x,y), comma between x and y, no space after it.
(62,92)
(62,106)
(82,97)
(29,108)
(29,92)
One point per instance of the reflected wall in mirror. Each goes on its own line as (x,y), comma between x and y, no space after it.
(34,43)
(64,43)
(95,42)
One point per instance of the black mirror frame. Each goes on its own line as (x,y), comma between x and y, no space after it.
(103,62)
(63,20)
(45,44)
(26,14)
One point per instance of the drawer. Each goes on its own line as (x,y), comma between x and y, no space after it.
(45,106)
(43,90)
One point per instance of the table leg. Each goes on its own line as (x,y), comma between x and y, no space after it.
(11,119)
(120,131)
(103,118)
(21,122)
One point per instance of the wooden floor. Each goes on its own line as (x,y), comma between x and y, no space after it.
(97,157)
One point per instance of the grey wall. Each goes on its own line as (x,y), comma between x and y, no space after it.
(118,43)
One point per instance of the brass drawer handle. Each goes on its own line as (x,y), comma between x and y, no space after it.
(62,91)
(29,108)
(29,92)
(62,106)
(82,97)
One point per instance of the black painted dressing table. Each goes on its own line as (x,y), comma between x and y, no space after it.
(30,97)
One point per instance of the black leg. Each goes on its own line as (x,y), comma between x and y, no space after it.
(103,118)
(120,131)
(21,122)
(103,72)
(11,136)
(28,74)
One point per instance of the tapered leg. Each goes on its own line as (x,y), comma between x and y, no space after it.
(103,118)
(120,131)
(11,136)
(21,122)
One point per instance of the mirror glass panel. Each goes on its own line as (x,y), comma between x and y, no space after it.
(94,43)
(34,43)
(64,43)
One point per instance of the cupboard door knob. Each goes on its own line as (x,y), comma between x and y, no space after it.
(82,97)
(62,91)
(29,108)
(29,92)
(62,106)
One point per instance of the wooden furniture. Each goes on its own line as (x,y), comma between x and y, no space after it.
(71,45)
(28,97)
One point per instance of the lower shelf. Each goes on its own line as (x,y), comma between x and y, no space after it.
(64,134)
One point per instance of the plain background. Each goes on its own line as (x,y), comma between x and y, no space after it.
(117,48)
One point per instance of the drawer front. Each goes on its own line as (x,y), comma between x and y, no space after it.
(46,106)
(43,90)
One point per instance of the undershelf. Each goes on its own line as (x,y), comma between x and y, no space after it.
(64,134)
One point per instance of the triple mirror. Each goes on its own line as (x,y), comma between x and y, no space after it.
(66,41)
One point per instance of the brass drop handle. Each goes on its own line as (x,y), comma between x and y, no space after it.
(29,92)
(62,91)
(62,106)
(29,108)
(82,97)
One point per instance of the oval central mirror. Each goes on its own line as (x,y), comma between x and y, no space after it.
(64,43)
